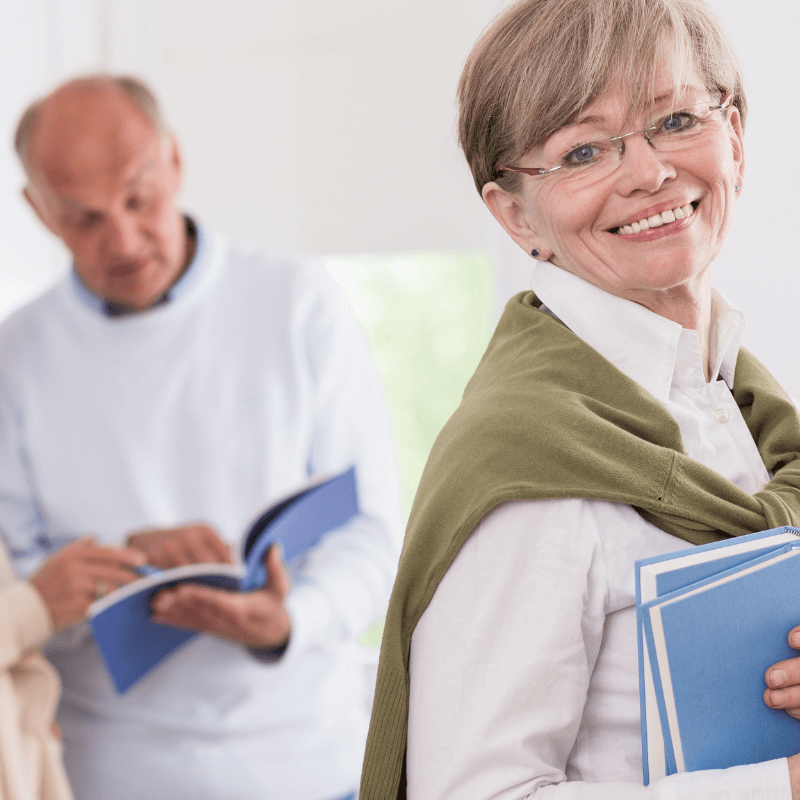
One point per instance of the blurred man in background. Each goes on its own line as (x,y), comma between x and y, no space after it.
(159,396)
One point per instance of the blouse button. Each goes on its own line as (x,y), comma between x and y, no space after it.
(721,414)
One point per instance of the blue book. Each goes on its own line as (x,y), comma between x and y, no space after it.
(708,643)
(671,572)
(131,644)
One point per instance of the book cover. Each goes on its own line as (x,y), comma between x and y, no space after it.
(131,644)
(656,577)
(713,641)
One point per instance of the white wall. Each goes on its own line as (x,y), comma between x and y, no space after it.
(328,127)
(320,126)
(759,269)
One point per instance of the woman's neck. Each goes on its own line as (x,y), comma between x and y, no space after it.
(689,306)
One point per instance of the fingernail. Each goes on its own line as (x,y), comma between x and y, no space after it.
(777,677)
(777,697)
(794,640)
(163,604)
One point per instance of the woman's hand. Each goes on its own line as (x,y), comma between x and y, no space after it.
(783,692)
(783,681)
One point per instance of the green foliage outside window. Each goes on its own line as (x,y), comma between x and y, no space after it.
(427,318)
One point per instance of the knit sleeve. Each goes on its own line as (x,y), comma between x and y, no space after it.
(343,584)
(21,525)
(25,622)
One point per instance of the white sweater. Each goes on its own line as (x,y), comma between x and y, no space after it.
(206,408)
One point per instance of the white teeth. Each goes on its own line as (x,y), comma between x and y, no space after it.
(664,218)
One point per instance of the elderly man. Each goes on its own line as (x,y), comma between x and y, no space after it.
(159,396)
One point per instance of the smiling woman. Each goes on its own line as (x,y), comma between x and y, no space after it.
(613,417)
(675,178)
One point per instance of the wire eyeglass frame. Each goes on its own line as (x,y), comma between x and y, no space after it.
(647,132)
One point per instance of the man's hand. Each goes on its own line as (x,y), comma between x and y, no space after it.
(783,681)
(256,619)
(186,544)
(72,579)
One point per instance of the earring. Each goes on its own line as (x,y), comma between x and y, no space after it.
(736,188)
(535,252)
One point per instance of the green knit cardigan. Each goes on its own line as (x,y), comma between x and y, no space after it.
(546,416)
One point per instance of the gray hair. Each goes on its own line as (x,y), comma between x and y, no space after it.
(541,62)
(136,90)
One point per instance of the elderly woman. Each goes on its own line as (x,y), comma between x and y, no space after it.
(613,417)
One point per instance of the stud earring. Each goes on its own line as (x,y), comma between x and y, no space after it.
(736,188)
(535,252)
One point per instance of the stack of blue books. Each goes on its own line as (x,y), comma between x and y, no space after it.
(712,620)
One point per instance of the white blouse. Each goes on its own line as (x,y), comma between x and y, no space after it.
(524,676)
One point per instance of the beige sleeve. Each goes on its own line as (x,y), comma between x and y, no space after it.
(25,622)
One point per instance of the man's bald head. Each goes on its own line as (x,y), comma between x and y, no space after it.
(135,90)
(103,176)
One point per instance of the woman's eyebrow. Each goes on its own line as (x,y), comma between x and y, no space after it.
(595,119)
(590,119)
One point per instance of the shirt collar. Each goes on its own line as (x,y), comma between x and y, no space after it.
(186,279)
(655,352)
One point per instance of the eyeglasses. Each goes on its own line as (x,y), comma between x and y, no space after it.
(592,160)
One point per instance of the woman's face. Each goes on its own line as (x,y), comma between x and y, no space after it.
(577,224)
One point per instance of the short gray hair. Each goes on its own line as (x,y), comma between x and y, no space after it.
(541,62)
(136,90)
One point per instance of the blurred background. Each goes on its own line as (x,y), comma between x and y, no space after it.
(328,128)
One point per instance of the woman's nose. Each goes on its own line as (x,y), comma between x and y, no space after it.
(642,166)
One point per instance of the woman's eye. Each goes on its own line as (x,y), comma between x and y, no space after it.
(582,154)
(679,121)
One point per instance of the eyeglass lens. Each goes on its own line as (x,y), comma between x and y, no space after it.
(597,156)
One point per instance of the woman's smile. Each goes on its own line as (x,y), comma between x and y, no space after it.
(661,216)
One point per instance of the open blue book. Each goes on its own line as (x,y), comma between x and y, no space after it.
(711,620)
(131,644)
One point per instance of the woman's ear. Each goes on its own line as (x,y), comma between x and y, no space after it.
(507,209)
(735,132)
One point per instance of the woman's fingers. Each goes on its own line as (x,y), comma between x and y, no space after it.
(787,699)
(783,680)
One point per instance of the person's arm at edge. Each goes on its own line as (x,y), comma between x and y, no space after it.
(25,622)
